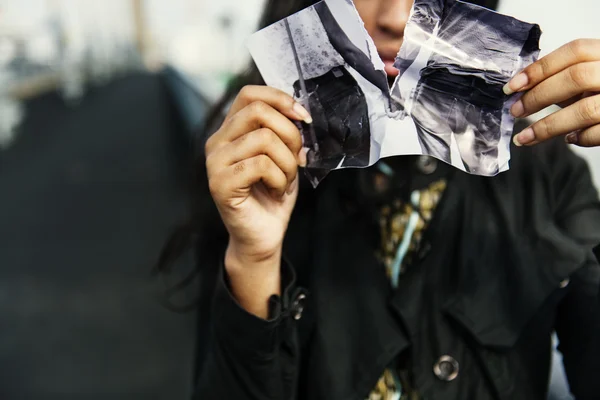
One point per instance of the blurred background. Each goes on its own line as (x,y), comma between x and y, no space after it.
(98,104)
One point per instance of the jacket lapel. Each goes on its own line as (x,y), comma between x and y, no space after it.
(506,262)
(356,336)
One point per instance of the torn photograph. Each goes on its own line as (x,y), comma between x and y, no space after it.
(454,61)
(446,102)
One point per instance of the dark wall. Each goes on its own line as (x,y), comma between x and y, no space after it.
(87,196)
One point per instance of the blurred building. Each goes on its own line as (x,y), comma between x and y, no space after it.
(203,39)
(69,45)
(97,104)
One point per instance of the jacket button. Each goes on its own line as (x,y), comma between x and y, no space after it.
(298,306)
(446,369)
(565,283)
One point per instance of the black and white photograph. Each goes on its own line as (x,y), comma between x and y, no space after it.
(445,102)
(325,58)
(297,199)
(455,59)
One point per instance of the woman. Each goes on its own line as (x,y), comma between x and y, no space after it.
(409,279)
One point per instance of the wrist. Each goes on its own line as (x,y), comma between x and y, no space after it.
(253,279)
(241,258)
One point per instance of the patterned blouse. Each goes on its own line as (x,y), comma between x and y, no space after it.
(402,226)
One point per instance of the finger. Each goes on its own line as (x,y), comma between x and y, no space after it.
(578,51)
(261,141)
(579,116)
(587,138)
(261,115)
(575,99)
(565,85)
(240,177)
(279,100)
(567,103)
(294,184)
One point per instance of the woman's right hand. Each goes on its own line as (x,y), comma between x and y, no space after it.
(252,164)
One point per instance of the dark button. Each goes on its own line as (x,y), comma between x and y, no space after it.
(446,369)
(298,306)
(427,165)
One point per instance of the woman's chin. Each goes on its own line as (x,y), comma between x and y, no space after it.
(390,70)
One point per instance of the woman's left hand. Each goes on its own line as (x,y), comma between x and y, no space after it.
(570,78)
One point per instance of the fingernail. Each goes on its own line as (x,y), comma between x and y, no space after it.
(518,109)
(515,84)
(572,138)
(301,111)
(302,160)
(525,137)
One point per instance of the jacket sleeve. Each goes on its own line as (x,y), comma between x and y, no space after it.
(578,317)
(249,358)
(578,329)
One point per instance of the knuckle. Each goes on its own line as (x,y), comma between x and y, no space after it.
(580,49)
(291,163)
(543,129)
(263,162)
(530,99)
(257,108)
(230,121)
(290,173)
(590,109)
(209,162)
(246,92)
(285,100)
(593,75)
(209,144)
(215,187)
(288,166)
(545,67)
(213,144)
(296,142)
(580,75)
(291,136)
(265,136)
(279,179)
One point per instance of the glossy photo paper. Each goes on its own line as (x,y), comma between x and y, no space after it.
(447,101)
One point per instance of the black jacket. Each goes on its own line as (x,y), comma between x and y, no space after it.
(506,261)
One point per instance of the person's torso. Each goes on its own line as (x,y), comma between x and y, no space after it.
(462,311)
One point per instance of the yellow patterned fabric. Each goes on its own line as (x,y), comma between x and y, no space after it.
(394,222)
(385,389)
(394,219)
